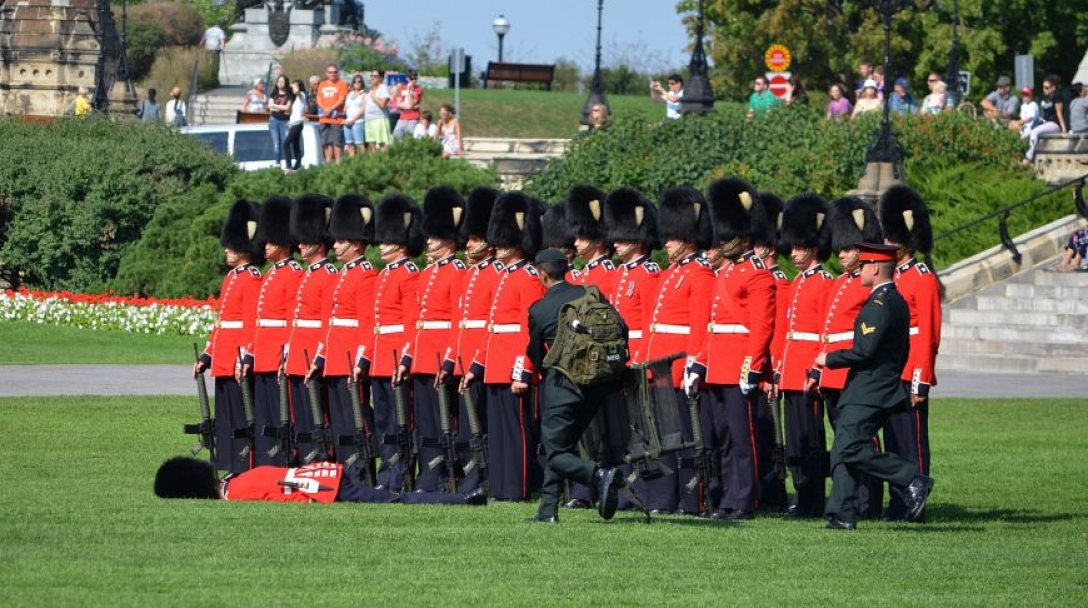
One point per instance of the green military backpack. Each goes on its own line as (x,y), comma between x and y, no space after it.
(591,345)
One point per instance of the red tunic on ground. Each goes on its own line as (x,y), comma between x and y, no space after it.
(263,483)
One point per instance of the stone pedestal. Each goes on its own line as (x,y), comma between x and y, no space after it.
(267,34)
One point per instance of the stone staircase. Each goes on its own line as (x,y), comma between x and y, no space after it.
(218,107)
(514,159)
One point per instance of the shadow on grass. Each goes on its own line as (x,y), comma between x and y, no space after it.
(940,513)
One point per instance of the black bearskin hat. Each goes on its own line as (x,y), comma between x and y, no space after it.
(399,221)
(480,203)
(274,223)
(310,219)
(585,212)
(184,477)
(765,232)
(735,209)
(240,229)
(443,214)
(904,216)
(631,217)
(515,222)
(853,221)
(804,224)
(555,231)
(352,219)
(683,216)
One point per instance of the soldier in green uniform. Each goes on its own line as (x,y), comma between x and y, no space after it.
(873,393)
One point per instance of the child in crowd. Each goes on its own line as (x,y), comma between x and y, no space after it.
(425,129)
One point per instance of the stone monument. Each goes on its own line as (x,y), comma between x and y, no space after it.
(272,29)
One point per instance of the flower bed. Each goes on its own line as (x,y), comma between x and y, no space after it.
(186,317)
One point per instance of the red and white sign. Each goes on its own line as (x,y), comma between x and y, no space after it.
(776,82)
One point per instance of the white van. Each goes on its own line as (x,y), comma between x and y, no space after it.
(251,144)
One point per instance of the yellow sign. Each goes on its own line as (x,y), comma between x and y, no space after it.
(777,58)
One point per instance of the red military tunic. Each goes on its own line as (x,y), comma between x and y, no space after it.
(742,322)
(633,294)
(805,323)
(396,310)
(919,287)
(847,297)
(782,298)
(600,272)
(279,291)
(508,325)
(263,483)
(681,312)
(351,320)
(309,320)
(473,310)
(439,292)
(237,318)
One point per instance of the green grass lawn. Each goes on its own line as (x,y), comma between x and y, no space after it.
(26,343)
(80,526)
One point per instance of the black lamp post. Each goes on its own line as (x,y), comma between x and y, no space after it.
(698,95)
(501,26)
(953,79)
(596,88)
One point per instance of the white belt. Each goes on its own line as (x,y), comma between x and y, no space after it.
(388,329)
(802,336)
(271,323)
(335,322)
(664,328)
(472,324)
(634,334)
(723,328)
(308,323)
(231,324)
(914,331)
(842,336)
(433,324)
(504,328)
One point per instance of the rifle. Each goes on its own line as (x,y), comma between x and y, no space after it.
(447,442)
(363,439)
(247,407)
(702,455)
(205,429)
(778,454)
(320,436)
(477,441)
(406,449)
(285,432)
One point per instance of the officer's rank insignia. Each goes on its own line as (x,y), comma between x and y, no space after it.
(866,330)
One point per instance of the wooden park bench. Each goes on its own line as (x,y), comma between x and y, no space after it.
(520,72)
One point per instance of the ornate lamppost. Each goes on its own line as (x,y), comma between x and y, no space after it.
(953,79)
(501,26)
(698,95)
(596,88)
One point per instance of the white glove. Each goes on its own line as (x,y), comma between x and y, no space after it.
(747,388)
(691,384)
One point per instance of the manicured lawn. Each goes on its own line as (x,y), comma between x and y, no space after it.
(1007,527)
(26,343)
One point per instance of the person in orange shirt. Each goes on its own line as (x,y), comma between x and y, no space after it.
(331,95)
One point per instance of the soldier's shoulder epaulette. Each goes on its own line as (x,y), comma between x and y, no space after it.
(827,275)
(329,268)
(651,266)
(254,271)
(411,267)
(922,268)
(293,265)
(530,269)
(459,265)
(365,265)
(757,263)
(574,272)
(778,274)
(608,265)
(704,263)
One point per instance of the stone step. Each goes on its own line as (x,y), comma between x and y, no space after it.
(998,318)
(956,346)
(1014,334)
(1013,364)
(1073,279)
(1029,290)
(1072,305)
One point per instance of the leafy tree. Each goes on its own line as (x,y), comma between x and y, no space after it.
(428,54)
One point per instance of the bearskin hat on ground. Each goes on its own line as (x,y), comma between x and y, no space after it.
(804,224)
(683,216)
(274,222)
(630,216)
(585,212)
(240,229)
(399,221)
(310,219)
(352,219)
(478,207)
(184,477)
(735,210)
(904,216)
(853,221)
(765,232)
(555,231)
(443,214)
(515,222)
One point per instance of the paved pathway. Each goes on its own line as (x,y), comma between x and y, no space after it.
(29,380)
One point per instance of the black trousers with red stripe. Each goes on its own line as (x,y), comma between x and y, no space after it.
(342,418)
(870,491)
(299,394)
(266,413)
(429,433)
(230,453)
(473,474)
(512,443)
(806,450)
(907,434)
(392,476)
(728,418)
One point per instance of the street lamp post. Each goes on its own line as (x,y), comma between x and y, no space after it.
(698,95)
(953,79)
(596,89)
(501,26)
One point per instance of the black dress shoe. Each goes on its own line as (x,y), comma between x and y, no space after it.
(577,503)
(476,498)
(740,515)
(837,524)
(721,514)
(662,512)
(608,488)
(918,492)
(542,519)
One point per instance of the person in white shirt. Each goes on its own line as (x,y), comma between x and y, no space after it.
(175,110)
(670,97)
(425,128)
(1029,111)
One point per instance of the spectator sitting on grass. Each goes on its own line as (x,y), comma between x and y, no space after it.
(425,129)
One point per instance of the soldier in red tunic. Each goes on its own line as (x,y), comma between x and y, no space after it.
(440,286)
(507,374)
(350,321)
(851,221)
(396,310)
(734,354)
(234,330)
(806,237)
(632,229)
(313,307)
(905,218)
(264,355)
(678,323)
